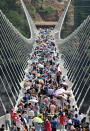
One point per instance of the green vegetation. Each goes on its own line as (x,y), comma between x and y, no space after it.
(66,29)
(81,16)
(82,10)
(47,10)
(15,14)
(31,9)
(60,0)
(36,3)
(65,32)
(73,2)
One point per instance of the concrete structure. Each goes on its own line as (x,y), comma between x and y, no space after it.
(45,24)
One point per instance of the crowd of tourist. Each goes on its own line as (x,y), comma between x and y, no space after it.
(46,104)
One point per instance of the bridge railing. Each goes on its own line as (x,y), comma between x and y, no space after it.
(14,53)
(32,26)
(76,51)
(59,25)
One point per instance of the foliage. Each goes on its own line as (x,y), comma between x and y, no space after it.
(67,20)
(82,10)
(65,33)
(31,9)
(72,2)
(7,5)
(60,0)
(46,10)
(36,3)
(14,13)
(87,51)
(81,16)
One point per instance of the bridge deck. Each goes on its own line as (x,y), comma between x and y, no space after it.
(45,23)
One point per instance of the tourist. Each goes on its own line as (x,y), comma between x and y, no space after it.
(70,127)
(13,127)
(52,108)
(7,120)
(80,116)
(2,127)
(47,125)
(25,128)
(38,127)
(62,121)
(54,123)
(18,123)
(76,121)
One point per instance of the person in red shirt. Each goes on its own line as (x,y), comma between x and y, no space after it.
(13,116)
(62,121)
(47,125)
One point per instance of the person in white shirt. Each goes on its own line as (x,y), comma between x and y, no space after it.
(31,113)
(7,120)
(76,111)
(30,122)
(80,116)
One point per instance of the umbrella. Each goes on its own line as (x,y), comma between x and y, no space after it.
(37,120)
(41,48)
(40,66)
(59,69)
(40,115)
(18,118)
(45,45)
(64,97)
(38,75)
(41,81)
(33,100)
(64,83)
(34,61)
(57,62)
(68,93)
(59,92)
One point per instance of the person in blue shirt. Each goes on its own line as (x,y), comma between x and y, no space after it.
(54,124)
(25,98)
(46,88)
(76,121)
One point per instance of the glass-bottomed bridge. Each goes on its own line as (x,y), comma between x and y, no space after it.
(15,51)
